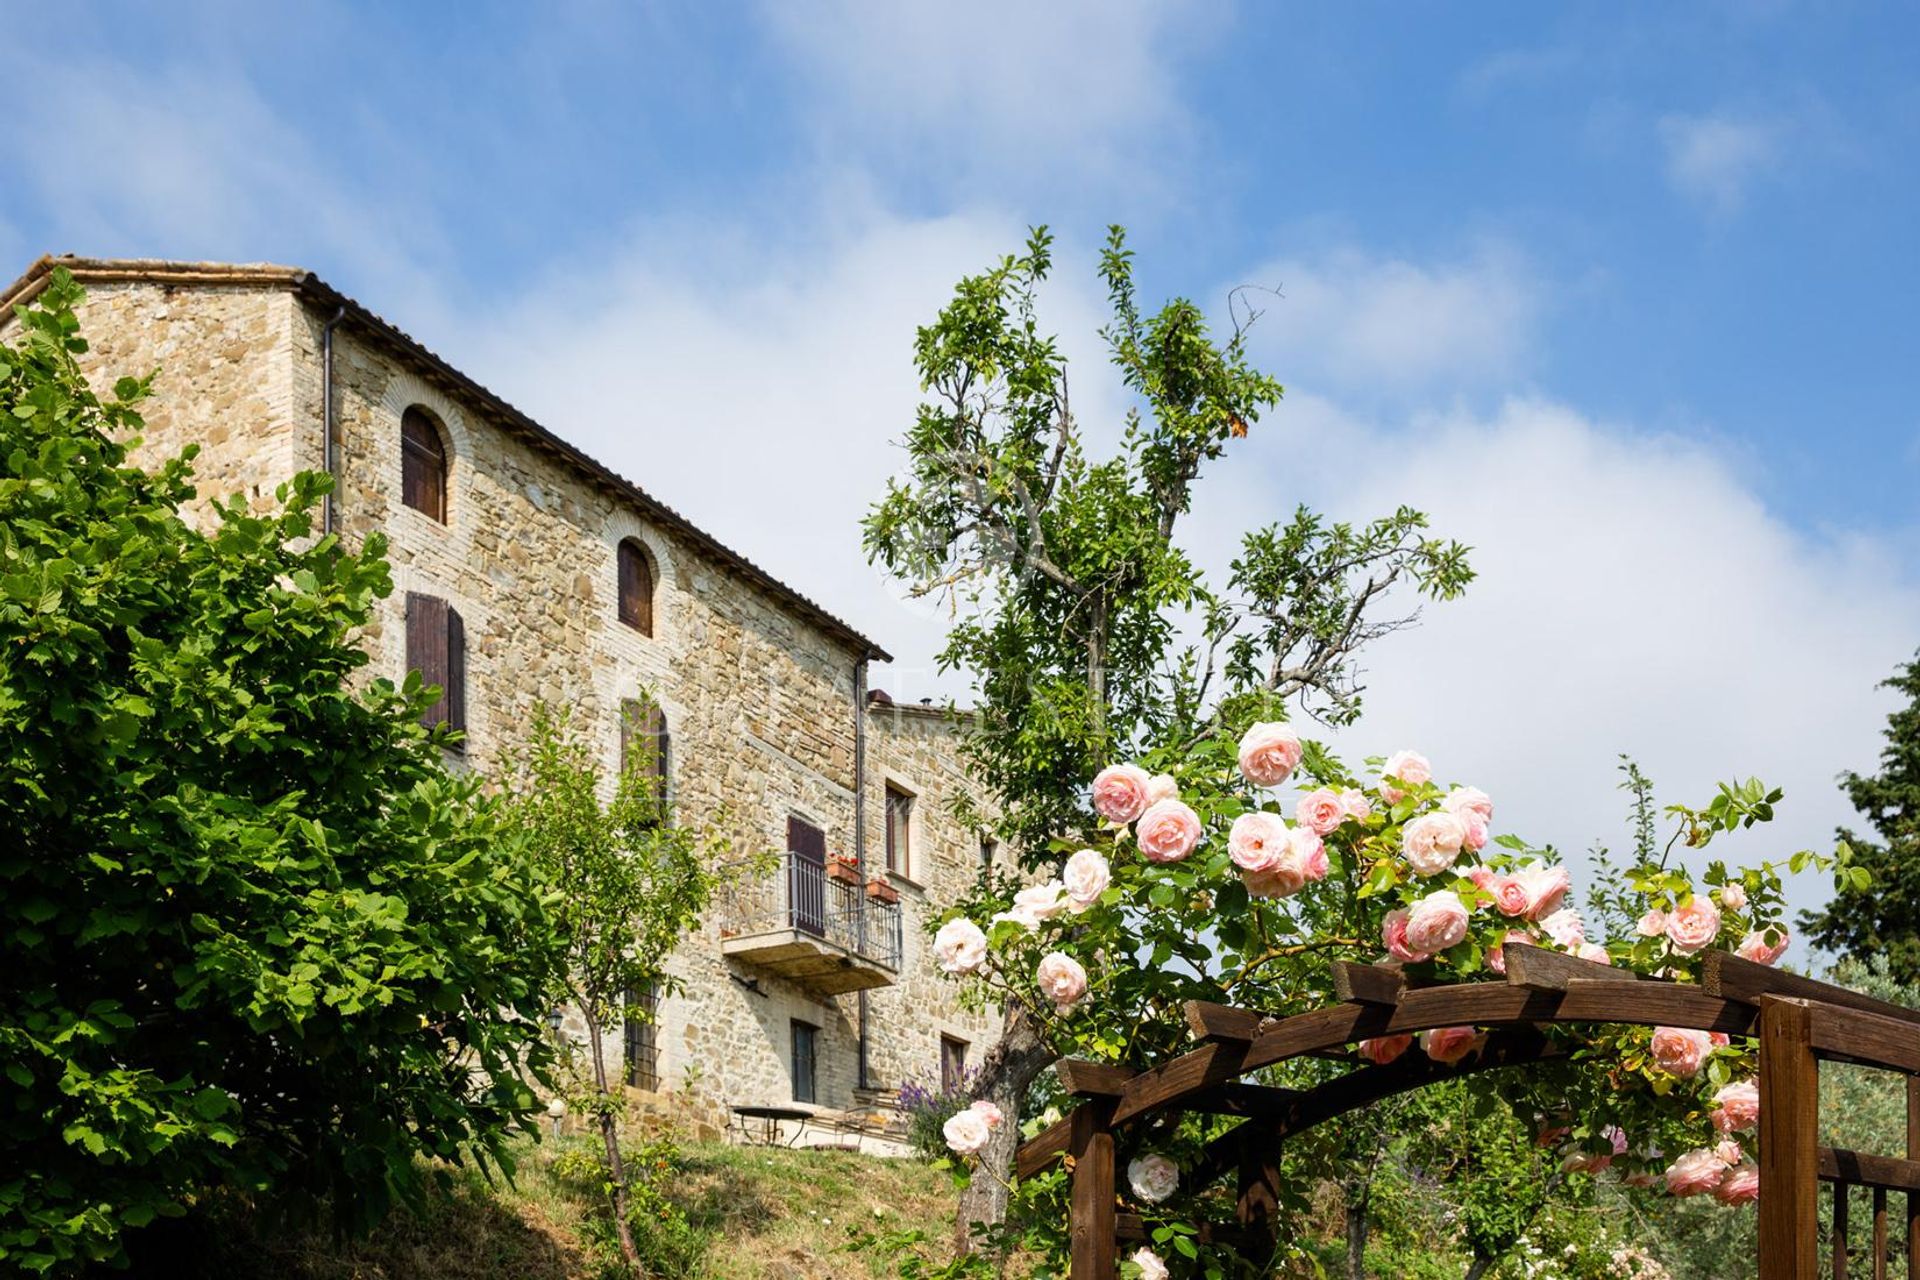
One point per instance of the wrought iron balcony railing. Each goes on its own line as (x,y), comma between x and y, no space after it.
(809,898)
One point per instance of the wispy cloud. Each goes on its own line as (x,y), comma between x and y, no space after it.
(1713,159)
(1365,324)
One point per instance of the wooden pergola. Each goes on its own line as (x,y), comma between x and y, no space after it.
(1798,1021)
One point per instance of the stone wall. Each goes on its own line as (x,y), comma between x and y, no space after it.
(759,699)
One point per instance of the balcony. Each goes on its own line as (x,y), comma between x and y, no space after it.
(812,928)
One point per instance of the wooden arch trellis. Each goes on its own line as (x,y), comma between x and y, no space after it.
(1798,1022)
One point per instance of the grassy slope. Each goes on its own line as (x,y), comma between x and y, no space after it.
(755,1214)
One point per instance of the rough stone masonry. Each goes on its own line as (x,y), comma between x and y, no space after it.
(761,689)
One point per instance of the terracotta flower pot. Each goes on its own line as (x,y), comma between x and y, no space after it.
(881,891)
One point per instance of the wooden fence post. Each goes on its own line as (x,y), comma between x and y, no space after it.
(1091,1147)
(1789,1155)
(1913,1198)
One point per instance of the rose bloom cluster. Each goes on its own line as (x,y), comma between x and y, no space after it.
(1422,853)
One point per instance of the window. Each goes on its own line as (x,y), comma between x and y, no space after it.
(643,727)
(988,848)
(806,877)
(423,464)
(643,1052)
(953,1064)
(805,1036)
(899,830)
(636,587)
(437,649)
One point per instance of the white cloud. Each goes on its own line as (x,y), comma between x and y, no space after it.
(1713,159)
(997,88)
(1634,596)
(1357,322)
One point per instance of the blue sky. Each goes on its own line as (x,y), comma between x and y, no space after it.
(1622,293)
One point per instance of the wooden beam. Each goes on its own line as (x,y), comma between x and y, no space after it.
(1224,1022)
(1853,1035)
(1091,1255)
(1913,1198)
(1544,970)
(1730,976)
(1789,1158)
(1256,1207)
(1131,1227)
(1239,1099)
(1043,1148)
(1369,983)
(1093,1079)
(1862,1169)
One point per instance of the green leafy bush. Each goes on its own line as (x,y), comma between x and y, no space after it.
(254,934)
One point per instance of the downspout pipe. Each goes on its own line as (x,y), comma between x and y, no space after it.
(860,835)
(326,415)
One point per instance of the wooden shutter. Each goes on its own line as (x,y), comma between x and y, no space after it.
(807,876)
(423,465)
(636,588)
(437,649)
(456,695)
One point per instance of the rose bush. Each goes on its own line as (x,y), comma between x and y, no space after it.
(1212,894)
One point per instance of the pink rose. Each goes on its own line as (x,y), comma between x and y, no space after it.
(1592,951)
(1476,829)
(1741,1186)
(1167,831)
(1467,800)
(1652,924)
(1152,1267)
(1403,766)
(960,947)
(1258,841)
(1509,896)
(1497,955)
(1320,811)
(1693,927)
(1733,897)
(1756,948)
(1545,887)
(1484,877)
(1355,802)
(1120,792)
(1449,1044)
(1085,877)
(1037,903)
(1642,1178)
(1719,1039)
(1310,851)
(1432,841)
(1564,927)
(1381,1050)
(1268,753)
(1695,1172)
(1436,922)
(1061,979)
(991,1113)
(1161,786)
(967,1132)
(1678,1051)
(1736,1106)
(1393,935)
(1282,880)
(1153,1177)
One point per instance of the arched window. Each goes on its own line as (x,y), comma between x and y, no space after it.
(423,464)
(636,587)
(643,727)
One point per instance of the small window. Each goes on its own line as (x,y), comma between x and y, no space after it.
(899,830)
(437,649)
(805,1038)
(643,1050)
(643,727)
(988,848)
(423,464)
(953,1064)
(636,587)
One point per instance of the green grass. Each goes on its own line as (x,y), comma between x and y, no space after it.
(736,1213)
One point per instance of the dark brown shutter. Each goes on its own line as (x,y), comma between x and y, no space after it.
(807,876)
(427,649)
(636,588)
(423,465)
(456,695)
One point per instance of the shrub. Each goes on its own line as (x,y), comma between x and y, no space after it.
(929,1105)
(255,935)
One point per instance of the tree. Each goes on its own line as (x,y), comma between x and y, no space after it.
(255,935)
(1881,917)
(1070,587)
(635,884)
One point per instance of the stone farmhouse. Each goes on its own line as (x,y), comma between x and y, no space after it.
(527,572)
